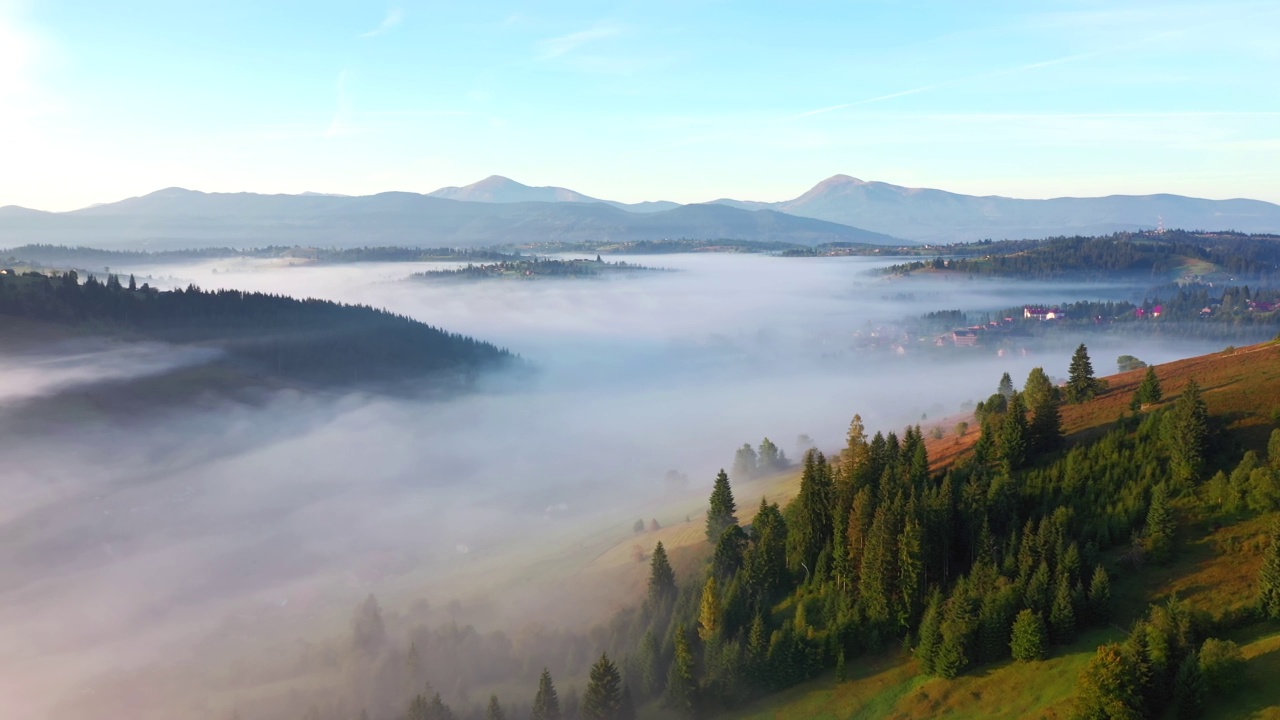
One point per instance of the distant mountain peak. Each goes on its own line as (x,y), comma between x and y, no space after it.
(839,179)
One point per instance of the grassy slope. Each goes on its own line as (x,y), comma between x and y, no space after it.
(1214,571)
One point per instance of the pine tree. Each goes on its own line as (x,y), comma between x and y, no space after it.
(603,697)
(930,634)
(1081,384)
(911,580)
(133,284)
(1030,639)
(682,683)
(1189,688)
(720,515)
(368,632)
(495,711)
(876,573)
(1269,576)
(729,553)
(709,622)
(1149,390)
(1013,436)
(546,705)
(1187,434)
(810,534)
(1045,429)
(744,463)
(662,579)
(1062,615)
(757,650)
(1100,595)
(1160,526)
(1006,386)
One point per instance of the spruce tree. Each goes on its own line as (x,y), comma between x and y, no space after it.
(757,650)
(729,553)
(1006,386)
(709,621)
(1062,614)
(1160,526)
(1187,434)
(1100,595)
(1081,384)
(1269,576)
(495,711)
(682,683)
(662,579)
(546,705)
(603,696)
(1045,428)
(1013,436)
(1149,390)
(930,634)
(1189,688)
(911,580)
(720,514)
(1030,639)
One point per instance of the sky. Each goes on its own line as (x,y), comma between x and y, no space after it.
(685,101)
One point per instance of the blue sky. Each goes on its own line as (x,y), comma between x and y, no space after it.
(686,101)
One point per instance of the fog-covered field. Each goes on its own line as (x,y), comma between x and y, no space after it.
(123,541)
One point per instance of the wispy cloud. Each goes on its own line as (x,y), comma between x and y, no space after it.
(393,18)
(563,45)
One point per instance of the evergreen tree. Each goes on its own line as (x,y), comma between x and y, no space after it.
(1081,384)
(811,533)
(1269,576)
(133,284)
(603,697)
(757,650)
(1062,614)
(1006,386)
(730,551)
(1045,428)
(720,515)
(495,711)
(1160,526)
(368,632)
(1187,433)
(877,572)
(911,580)
(1189,688)
(662,579)
(1100,595)
(744,463)
(546,704)
(1013,436)
(1149,390)
(770,458)
(1030,640)
(682,683)
(709,622)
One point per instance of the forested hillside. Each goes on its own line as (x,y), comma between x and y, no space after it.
(1156,256)
(971,567)
(312,341)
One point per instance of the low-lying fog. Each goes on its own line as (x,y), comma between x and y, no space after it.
(125,540)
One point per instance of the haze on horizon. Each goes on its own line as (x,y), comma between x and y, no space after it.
(655,102)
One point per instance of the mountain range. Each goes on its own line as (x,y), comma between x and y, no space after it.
(498,211)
